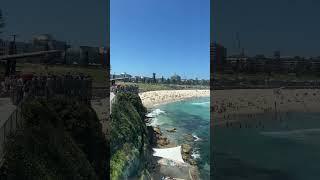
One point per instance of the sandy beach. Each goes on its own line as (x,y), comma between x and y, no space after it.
(226,104)
(154,98)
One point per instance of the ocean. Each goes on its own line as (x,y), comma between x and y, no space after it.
(191,118)
(287,148)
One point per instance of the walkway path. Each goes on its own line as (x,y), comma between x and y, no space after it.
(112,96)
(101,106)
(6,109)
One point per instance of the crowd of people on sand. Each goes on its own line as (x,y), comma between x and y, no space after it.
(152,98)
(237,111)
(21,86)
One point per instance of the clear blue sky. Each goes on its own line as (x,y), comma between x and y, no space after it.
(165,37)
(267,25)
(79,22)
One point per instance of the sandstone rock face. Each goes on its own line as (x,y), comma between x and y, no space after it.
(186,148)
(186,152)
(157,130)
(159,138)
(163,141)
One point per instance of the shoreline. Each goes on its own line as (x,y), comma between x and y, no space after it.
(192,170)
(239,104)
(152,99)
(172,96)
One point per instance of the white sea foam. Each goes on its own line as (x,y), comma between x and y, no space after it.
(155,113)
(154,121)
(207,103)
(195,154)
(299,134)
(291,132)
(196,138)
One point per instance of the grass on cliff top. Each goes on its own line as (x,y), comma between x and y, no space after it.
(98,74)
(61,139)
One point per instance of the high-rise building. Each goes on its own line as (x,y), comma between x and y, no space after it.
(89,55)
(4,48)
(154,77)
(218,54)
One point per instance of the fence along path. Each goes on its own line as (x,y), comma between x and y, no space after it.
(15,120)
(10,126)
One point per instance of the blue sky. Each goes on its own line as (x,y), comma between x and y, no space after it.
(264,26)
(165,37)
(79,22)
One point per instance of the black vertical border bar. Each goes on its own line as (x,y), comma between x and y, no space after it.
(211,91)
(107,62)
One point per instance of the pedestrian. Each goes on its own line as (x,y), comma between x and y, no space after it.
(48,87)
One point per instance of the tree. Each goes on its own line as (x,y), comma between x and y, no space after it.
(168,81)
(2,24)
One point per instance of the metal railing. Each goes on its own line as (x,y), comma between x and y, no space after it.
(15,120)
(10,126)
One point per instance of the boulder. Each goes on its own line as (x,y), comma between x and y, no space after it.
(186,148)
(157,130)
(185,157)
(192,162)
(163,141)
(147,120)
(172,130)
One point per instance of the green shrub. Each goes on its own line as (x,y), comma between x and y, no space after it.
(61,139)
(128,135)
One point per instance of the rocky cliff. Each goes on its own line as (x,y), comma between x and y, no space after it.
(130,146)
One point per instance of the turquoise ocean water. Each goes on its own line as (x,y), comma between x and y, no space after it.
(287,148)
(191,118)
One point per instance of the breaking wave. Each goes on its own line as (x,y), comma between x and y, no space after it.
(298,131)
(195,154)
(155,113)
(196,138)
(299,134)
(154,121)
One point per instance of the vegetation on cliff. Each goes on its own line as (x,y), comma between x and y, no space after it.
(61,139)
(129,136)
